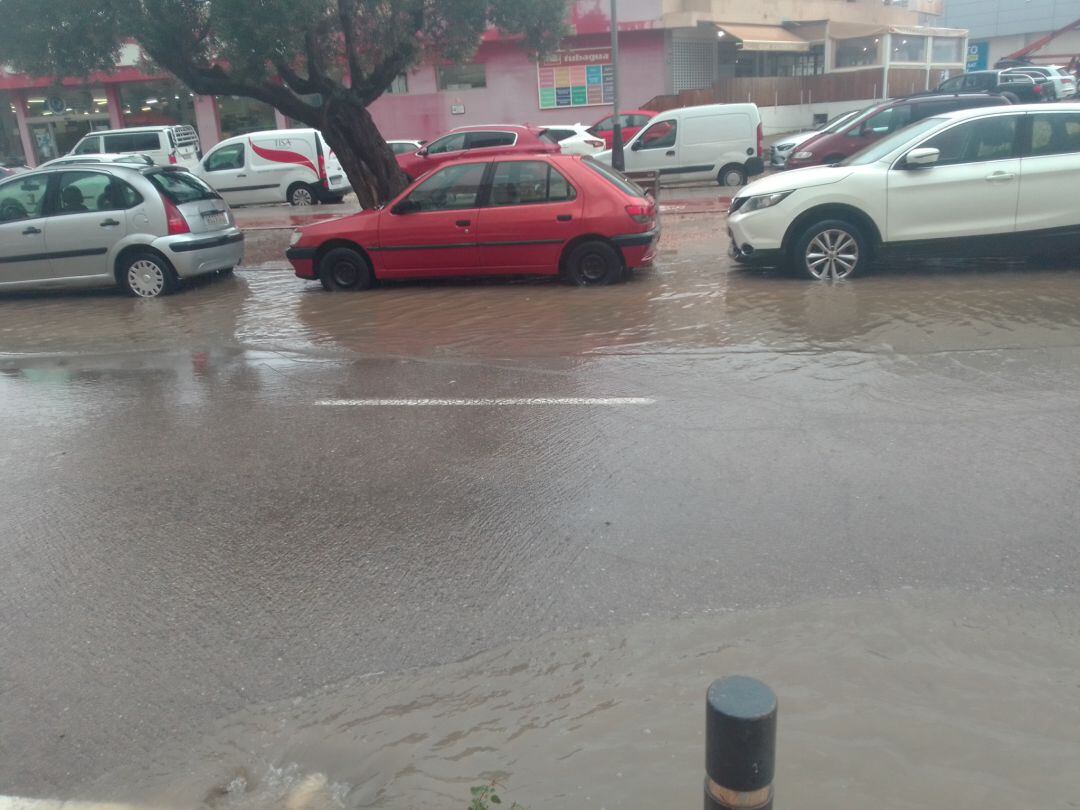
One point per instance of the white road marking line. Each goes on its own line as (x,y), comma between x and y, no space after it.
(485,402)
(19,803)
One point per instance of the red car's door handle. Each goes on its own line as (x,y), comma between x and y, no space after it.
(463,223)
(564,217)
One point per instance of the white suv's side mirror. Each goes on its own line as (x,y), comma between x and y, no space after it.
(925,156)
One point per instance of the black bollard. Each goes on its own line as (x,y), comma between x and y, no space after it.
(740,745)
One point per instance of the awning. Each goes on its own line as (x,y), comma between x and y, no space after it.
(846,30)
(765,38)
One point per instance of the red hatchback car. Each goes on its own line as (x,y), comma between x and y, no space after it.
(476,142)
(519,215)
(632,123)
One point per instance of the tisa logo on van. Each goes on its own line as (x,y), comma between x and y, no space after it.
(283,156)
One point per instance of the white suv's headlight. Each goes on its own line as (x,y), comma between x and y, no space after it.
(763,201)
(803,155)
(294,238)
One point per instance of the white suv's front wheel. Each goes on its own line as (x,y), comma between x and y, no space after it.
(831,249)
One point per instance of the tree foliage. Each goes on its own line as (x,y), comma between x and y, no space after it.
(322,62)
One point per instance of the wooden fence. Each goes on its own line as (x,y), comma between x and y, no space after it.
(784,91)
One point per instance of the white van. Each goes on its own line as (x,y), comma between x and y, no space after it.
(277,165)
(165,145)
(722,142)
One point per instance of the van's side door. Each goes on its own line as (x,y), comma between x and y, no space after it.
(655,149)
(225,169)
(275,163)
(708,143)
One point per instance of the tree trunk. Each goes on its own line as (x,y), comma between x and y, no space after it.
(367,160)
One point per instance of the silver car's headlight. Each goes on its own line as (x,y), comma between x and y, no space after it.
(294,238)
(763,201)
(783,147)
(803,155)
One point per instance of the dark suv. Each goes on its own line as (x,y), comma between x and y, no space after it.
(879,121)
(1016,87)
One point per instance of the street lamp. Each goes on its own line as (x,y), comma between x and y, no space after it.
(617,158)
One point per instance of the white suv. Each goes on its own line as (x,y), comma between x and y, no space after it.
(987,181)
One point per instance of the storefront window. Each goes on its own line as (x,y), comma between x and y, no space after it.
(11,150)
(857,52)
(908,49)
(58,117)
(462,77)
(948,51)
(156,103)
(239,116)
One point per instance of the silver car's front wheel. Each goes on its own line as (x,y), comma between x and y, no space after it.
(831,250)
(148,276)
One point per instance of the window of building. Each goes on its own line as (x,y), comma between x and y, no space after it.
(947,50)
(240,116)
(527,183)
(858,52)
(462,77)
(764,64)
(154,103)
(11,149)
(908,49)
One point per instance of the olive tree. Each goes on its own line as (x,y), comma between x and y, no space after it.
(320,62)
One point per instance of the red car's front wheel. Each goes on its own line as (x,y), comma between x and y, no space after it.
(345,269)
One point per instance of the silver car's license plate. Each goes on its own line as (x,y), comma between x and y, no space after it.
(216,218)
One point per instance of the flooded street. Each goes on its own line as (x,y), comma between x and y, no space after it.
(404,541)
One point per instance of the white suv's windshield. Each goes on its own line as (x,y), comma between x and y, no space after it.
(877,151)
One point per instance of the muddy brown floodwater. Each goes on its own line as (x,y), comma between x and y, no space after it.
(219,593)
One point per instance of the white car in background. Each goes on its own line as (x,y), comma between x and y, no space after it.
(575,139)
(786,146)
(985,181)
(404,147)
(1063,81)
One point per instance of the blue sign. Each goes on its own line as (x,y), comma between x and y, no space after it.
(978,56)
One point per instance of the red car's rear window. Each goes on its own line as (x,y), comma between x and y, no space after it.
(614,177)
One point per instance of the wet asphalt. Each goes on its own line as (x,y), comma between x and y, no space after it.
(191,522)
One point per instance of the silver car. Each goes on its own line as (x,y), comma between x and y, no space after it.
(144,228)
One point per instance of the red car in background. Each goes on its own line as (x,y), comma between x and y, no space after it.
(479,142)
(534,214)
(632,122)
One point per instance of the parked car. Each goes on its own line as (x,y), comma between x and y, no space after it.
(994,180)
(476,142)
(144,228)
(404,147)
(631,122)
(277,165)
(786,146)
(166,145)
(1064,83)
(68,160)
(724,142)
(1016,87)
(515,214)
(880,120)
(575,139)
